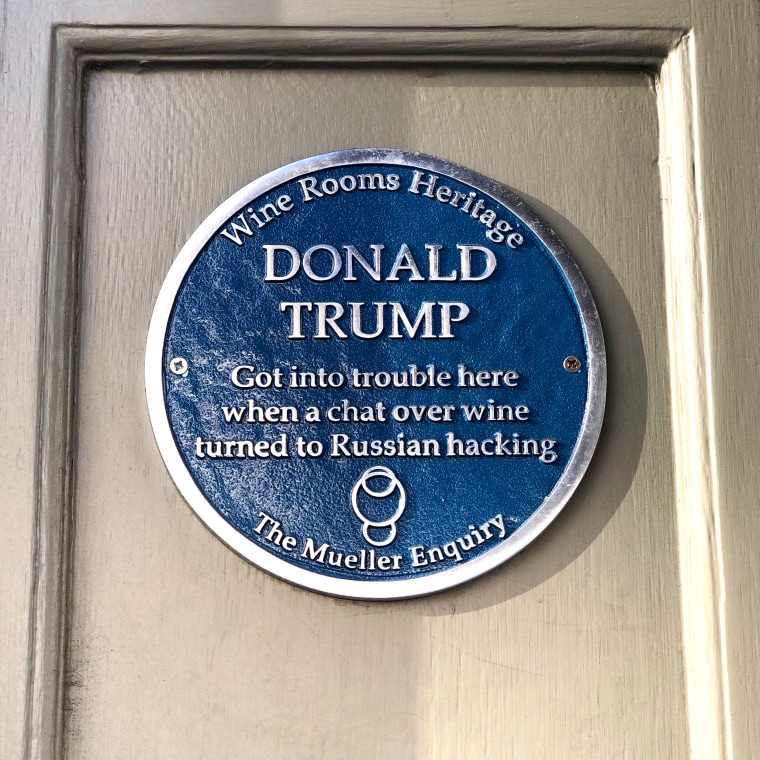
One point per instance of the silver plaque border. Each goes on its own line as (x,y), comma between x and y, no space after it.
(374,589)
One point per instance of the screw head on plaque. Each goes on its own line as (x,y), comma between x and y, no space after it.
(375,374)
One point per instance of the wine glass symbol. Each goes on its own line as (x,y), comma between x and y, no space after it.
(363,485)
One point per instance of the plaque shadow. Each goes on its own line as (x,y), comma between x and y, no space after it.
(616,458)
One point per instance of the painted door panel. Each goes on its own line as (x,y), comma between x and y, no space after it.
(627,629)
(414,679)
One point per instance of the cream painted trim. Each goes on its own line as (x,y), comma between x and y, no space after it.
(56,419)
(703,592)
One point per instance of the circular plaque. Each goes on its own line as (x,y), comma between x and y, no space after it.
(375,374)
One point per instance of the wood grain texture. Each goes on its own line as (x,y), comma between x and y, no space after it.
(23,229)
(56,417)
(180,648)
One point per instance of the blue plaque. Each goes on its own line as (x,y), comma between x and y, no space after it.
(375,374)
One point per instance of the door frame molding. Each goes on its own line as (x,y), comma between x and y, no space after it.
(667,54)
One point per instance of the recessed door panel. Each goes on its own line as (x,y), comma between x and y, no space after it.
(178,648)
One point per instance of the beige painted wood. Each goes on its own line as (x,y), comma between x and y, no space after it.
(726,52)
(443,703)
(390,13)
(179,648)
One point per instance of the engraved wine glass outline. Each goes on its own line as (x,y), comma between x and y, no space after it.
(361,484)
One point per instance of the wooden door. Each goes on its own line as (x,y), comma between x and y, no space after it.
(626,630)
